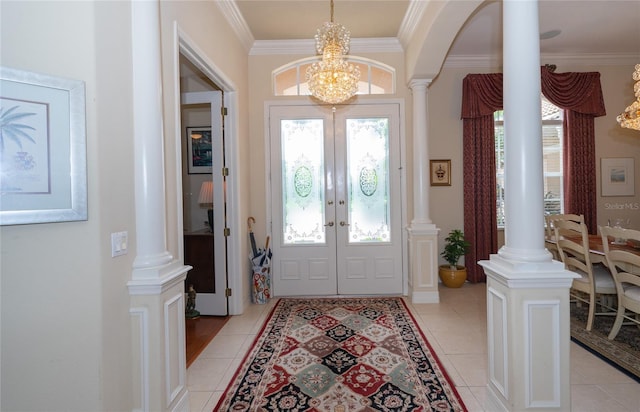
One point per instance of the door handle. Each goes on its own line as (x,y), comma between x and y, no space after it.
(329,224)
(343,223)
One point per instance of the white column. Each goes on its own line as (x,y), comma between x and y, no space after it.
(524,187)
(156,288)
(148,138)
(421,171)
(527,291)
(423,234)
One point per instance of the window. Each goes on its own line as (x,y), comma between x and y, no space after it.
(552,160)
(375,77)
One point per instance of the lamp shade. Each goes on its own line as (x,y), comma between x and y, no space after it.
(206,193)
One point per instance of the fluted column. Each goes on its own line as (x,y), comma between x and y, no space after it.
(527,291)
(423,234)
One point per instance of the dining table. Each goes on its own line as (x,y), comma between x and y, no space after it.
(596,249)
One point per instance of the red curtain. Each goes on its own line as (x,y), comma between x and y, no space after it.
(580,95)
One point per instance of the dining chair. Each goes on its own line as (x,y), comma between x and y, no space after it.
(595,279)
(550,236)
(624,265)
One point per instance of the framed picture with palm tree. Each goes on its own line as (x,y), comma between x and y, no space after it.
(43,172)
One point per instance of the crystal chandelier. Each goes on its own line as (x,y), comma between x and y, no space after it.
(333,79)
(630,118)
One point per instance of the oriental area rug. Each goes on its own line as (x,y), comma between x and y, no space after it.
(341,355)
(623,352)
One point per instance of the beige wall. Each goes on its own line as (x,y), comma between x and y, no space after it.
(65,335)
(65,322)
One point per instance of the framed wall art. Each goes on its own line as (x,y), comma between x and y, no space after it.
(617,176)
(440,172)
(43,166)
(199,158)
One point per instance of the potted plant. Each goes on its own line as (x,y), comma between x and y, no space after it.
(452,274)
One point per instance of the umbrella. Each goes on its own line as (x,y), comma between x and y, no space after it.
(251,220)
(260,268)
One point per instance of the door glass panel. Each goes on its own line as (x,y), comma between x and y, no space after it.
(303,181)
(368,180)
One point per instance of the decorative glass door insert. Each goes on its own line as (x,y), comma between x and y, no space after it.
(303,194)
(368,179)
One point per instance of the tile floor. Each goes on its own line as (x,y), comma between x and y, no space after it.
(460,328)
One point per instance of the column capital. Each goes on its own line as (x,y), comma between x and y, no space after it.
(419,83)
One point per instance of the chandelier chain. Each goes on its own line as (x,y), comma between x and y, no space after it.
(333,79)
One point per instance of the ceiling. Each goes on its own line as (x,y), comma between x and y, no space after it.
(608,29)
(587,26)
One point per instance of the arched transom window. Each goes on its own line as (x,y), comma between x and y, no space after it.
(375,77)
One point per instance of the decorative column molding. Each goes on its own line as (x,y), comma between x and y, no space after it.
(527,291)
(423,234)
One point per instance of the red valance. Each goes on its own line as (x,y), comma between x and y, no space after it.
(580,92)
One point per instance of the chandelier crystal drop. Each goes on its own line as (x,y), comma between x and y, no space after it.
(333,79)
(630,118)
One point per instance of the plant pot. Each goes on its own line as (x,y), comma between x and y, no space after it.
(452,278)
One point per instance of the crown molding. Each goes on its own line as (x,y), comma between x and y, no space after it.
(410,21)
(308,46)
(232,14)
(583,59)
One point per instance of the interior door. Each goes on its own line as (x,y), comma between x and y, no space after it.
(212,299)
(336,220)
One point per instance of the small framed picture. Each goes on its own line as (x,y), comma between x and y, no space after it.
(617,176)
(440,172)
(199,160)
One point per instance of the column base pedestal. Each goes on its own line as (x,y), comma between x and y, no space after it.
(423,264)
(528,335)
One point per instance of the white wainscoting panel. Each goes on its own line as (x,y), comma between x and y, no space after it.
(175,351)
(140,337)
(542,365)
(497,334)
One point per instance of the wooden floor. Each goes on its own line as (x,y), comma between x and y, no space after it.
(200,331)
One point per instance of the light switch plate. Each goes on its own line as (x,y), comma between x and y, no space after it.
(119,243)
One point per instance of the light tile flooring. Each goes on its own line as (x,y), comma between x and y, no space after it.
(455,328)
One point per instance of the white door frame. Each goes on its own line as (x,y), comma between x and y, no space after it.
(187,47)
(403,187)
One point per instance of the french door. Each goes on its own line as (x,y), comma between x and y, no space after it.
(336,200)
(212,299)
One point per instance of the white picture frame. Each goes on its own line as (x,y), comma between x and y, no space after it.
(43,166)
(617,176)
